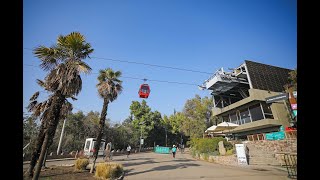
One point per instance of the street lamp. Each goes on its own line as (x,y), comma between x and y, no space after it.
(141,123)
(166,135)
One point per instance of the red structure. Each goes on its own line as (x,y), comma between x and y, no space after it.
(144,91)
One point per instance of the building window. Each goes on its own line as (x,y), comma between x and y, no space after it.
(234,118)
(267,110)
(87,144)
(245,117)
(256,112)
(225,118)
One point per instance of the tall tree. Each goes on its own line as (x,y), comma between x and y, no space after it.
(196,113)
(64,63)
(109,87)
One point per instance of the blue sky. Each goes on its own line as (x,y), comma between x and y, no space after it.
(199,35)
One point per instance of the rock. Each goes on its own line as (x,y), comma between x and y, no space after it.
(222,150)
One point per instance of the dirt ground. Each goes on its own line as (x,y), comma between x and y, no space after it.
(62,173)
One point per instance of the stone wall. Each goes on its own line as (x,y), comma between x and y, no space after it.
(225,160)
(277,148)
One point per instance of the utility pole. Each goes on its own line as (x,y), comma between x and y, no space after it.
(62,131)
(141,123)
(166,136)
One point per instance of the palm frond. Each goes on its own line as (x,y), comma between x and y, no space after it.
(47,57)
(83,67)
(31,105)
(34,96)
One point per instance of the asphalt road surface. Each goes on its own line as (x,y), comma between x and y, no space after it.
(164,166)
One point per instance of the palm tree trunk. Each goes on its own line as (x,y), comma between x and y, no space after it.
(39,164)
(37,148)
(53,119)
(100,132)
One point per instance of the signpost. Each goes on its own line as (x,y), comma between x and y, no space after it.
(241,154)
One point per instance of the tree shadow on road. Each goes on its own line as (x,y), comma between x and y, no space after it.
(164,168)
(139,163)
(130,159)
(180,160)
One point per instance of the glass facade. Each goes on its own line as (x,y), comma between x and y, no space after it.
(256,112)
(267,110)
(234,118)
(247,115)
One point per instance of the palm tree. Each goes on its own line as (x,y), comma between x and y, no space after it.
(109,87)
(64,63)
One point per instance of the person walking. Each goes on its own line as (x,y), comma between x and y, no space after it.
(174,149)
(182,148)
(128,150)
(108,152)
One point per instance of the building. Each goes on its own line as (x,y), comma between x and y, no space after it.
(240,97)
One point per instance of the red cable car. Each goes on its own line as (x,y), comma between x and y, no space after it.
(144,91)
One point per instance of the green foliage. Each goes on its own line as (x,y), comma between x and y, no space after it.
(230,152)
(227,145)
(78,127)
(206,156)
(197,116)
(147,122)
(205,145)
(215,153)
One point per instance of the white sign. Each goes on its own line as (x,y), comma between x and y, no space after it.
(141,141)
(241,154)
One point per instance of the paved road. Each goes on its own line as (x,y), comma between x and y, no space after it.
(163,166)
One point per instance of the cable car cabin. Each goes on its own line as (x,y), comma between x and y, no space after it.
(144,91)
(89,147)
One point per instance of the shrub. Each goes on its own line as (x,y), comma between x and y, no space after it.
(206,156)
(229,152)
(108,170)
(81,163)
(227,145)
(215,153)
(209,145)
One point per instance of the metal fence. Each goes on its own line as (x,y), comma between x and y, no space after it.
(290,160)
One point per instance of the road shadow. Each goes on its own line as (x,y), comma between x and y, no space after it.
(131,159)
(138,163)
(164,168)
(180,160)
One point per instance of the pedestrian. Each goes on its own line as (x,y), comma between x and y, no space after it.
(182,148)
(128,150)
(108,152)
(174,149)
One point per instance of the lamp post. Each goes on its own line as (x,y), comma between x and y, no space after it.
(62,131)
(141,123)
(165,129)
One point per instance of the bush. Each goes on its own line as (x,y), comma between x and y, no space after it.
(209,145)
(108,170)
(229,152)
(215,153)
(206,156)
(81,164)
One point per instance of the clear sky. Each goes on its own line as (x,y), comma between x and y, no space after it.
(201,35)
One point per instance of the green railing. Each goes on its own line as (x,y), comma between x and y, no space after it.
(162,150)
